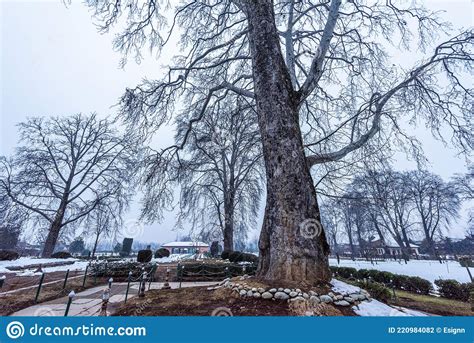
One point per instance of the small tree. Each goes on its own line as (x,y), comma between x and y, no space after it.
(126,246)
(77,246)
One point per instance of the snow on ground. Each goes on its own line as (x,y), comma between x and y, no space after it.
(173,258)
(375,308)
(343,288)
(26,261)
(429,270)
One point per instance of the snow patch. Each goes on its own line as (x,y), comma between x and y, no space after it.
(375,308)
(343,288)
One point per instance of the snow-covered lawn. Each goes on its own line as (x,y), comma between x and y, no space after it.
(26,261)
(429,270)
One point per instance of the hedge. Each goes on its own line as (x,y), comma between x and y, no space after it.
(144,256)
(239,256)
(8,255)
(61,254)
(453,289)
(413,284)
(162,252)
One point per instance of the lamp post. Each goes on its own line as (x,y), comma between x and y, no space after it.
(71,296)
(105,301)
(110,282)
(2,280)
(166,284)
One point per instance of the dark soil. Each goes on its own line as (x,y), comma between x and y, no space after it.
(198,301)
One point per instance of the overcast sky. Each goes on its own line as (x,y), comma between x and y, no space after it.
(53,62)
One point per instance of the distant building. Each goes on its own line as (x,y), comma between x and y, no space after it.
(186,247)
(376,248)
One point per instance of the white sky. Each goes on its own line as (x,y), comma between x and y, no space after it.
(53,62)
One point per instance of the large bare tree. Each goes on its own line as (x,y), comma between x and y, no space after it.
(321,82)
(65,167)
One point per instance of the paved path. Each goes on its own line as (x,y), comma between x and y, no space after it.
(88,302)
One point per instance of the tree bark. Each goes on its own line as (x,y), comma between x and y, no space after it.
(53,233)
(229,227)
(288,250)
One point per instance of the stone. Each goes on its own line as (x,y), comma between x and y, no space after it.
(273,290)
(306,295)
(281,296)
(349,299)
(314,299)
(240,286)
(267,295)
(261,290)
(338,297)
(287,290)
(357,296)
(250,294)
(325,298)
(257,295)
(280,289)
(313,293)
(331,294)
(293,294)
(297,299)
(341,303)
(298,290)
(243,292)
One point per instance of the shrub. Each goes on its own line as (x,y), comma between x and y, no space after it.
(453,289)
(126,246)
(86,253)
(238,256)
(377,290)
(162,252)
(144,256)
(225,254)
(466,262)
(214,249)
(413,284)
(8,255)
(61,254)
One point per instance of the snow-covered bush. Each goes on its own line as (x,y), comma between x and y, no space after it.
(8,255)
(144,256)
(61,254)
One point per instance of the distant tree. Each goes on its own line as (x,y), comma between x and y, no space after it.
(436,203)
(12,218)
(214,250)
(117,248)
(220,173)
(77,246)
(65,167)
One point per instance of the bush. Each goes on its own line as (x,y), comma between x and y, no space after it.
(413,284)
(61,254)
(86,253)
(377,290)
(453,289)
(144,256)
(238,256)
(214,249)
(8,255)
(225,254)
(466,262)
(162,252)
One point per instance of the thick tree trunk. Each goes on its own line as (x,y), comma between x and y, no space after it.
(51,239)
(229,230)
(54,230)
(292,246)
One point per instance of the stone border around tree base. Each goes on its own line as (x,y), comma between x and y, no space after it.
(292,294)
